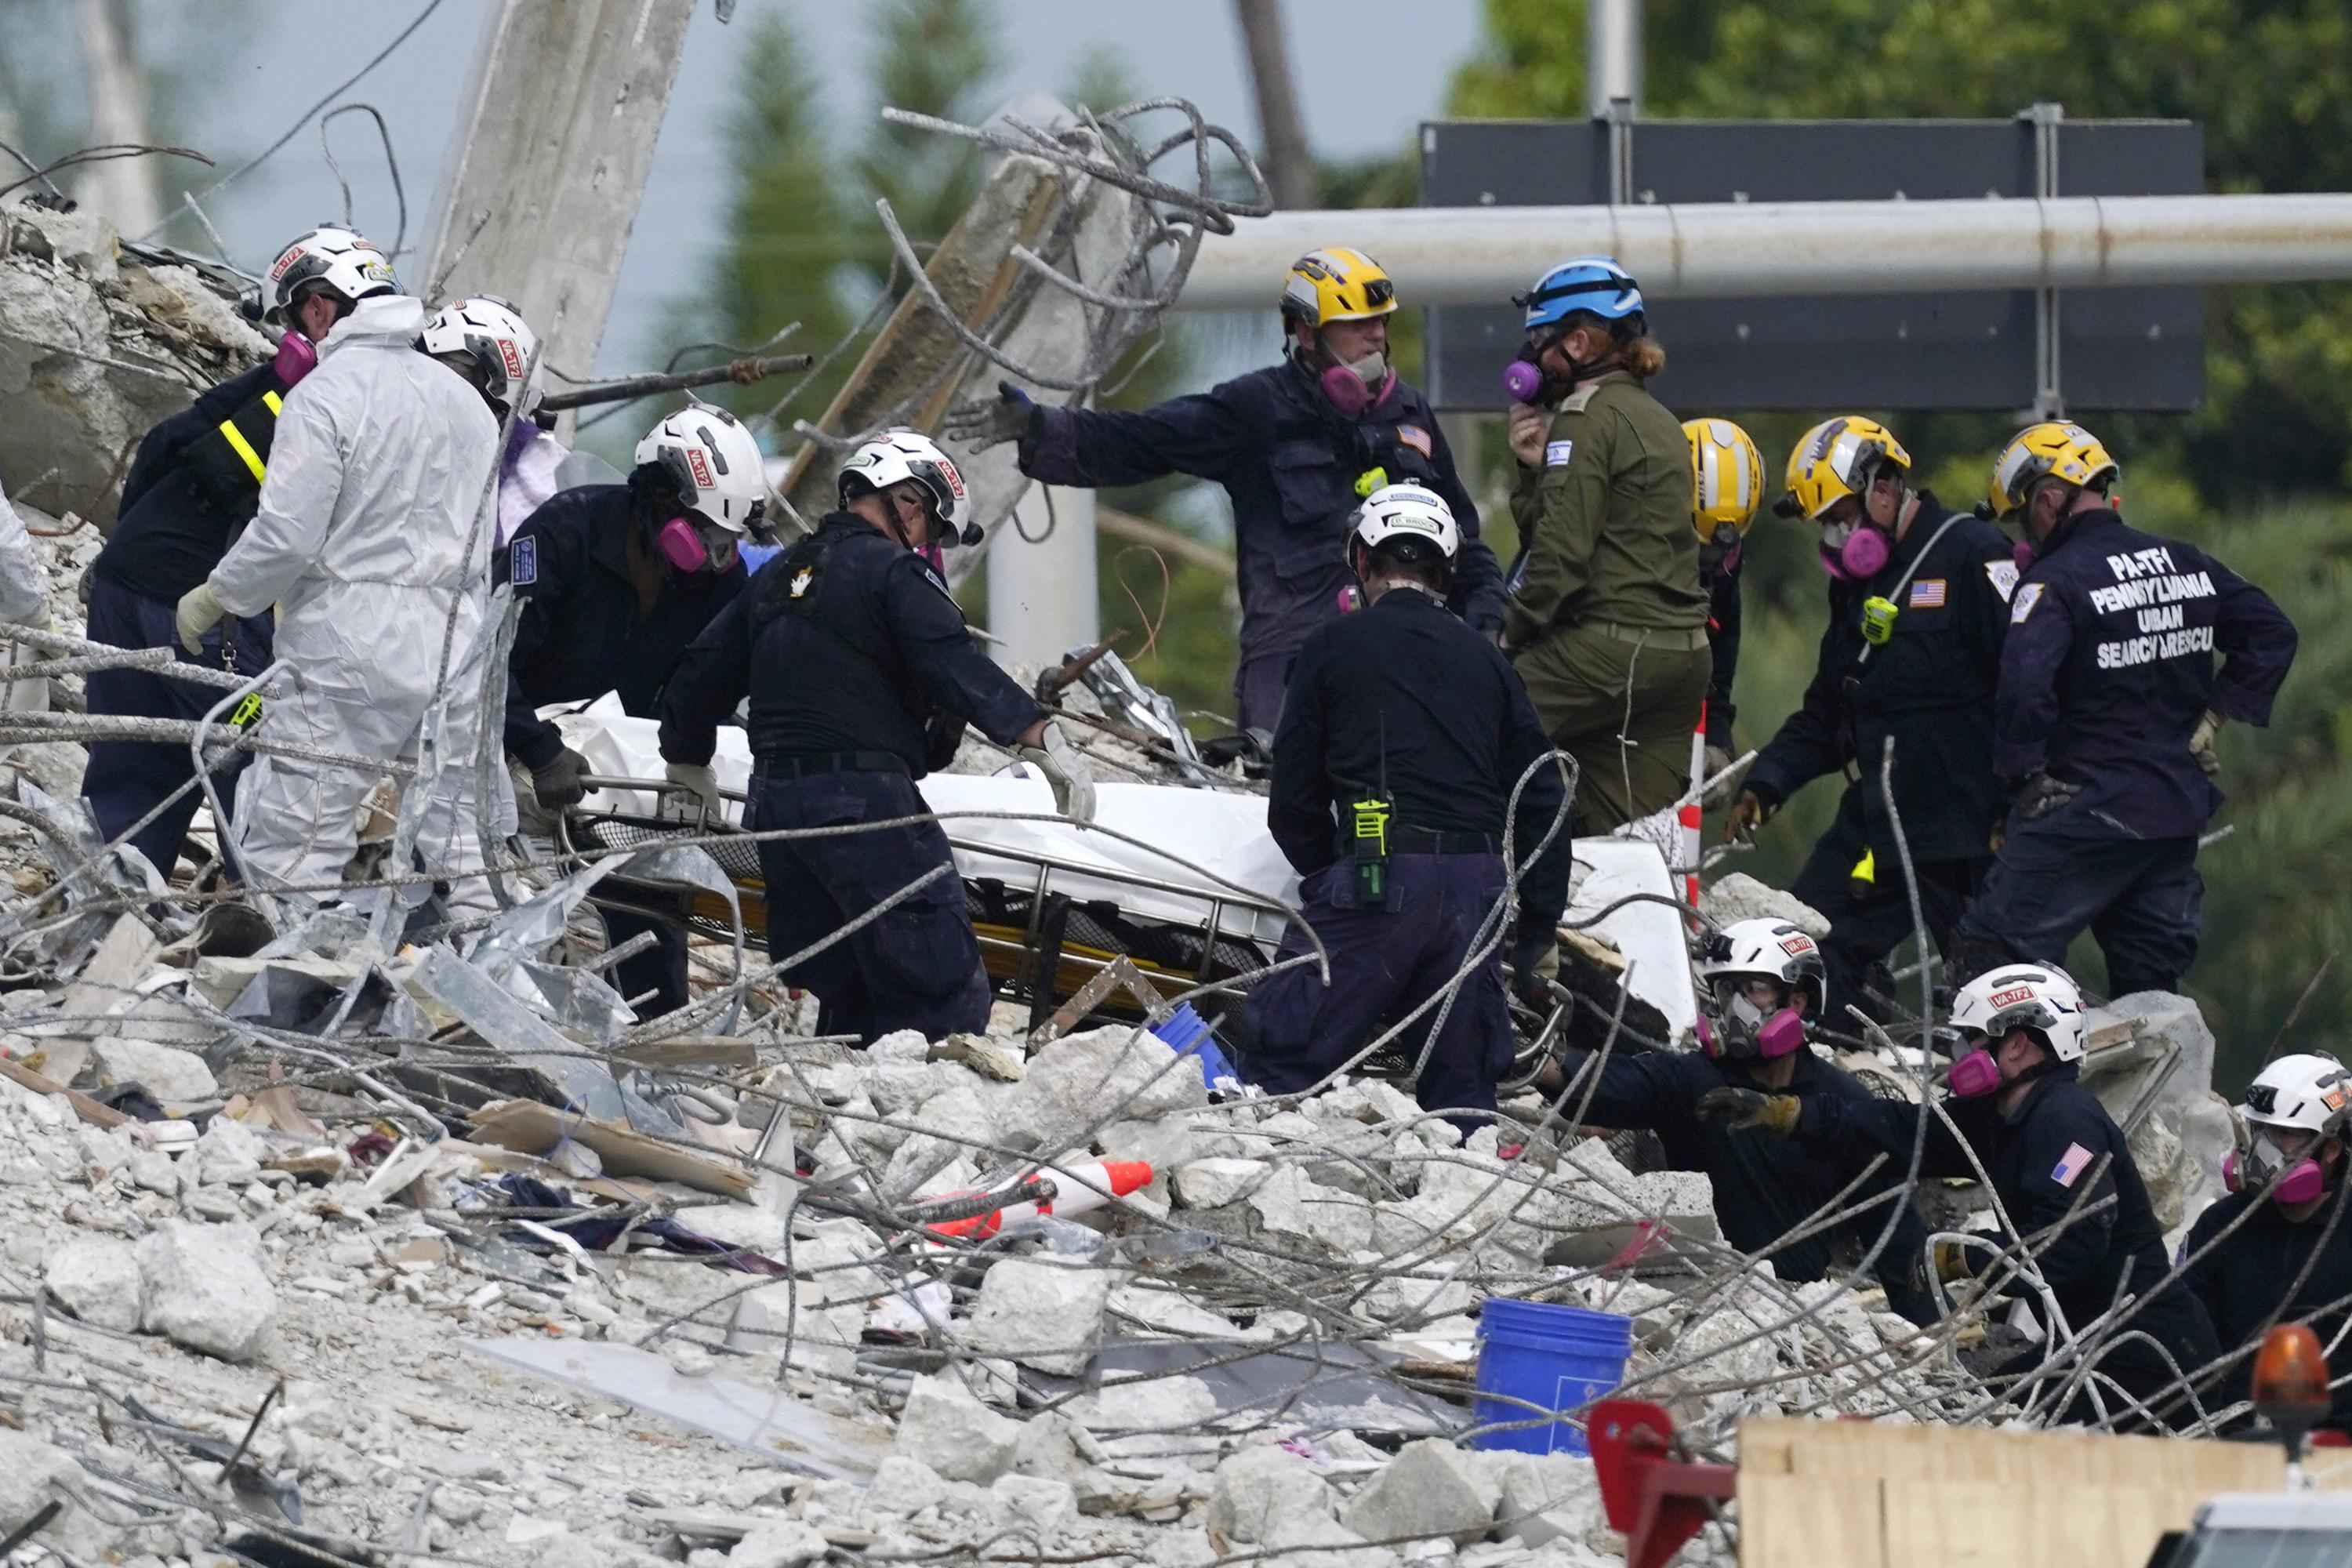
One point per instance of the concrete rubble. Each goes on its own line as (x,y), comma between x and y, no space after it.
(418,1249)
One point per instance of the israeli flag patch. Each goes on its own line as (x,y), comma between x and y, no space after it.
(522,562)
(1557,453)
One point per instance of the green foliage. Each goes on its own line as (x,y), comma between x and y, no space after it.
(2264,79)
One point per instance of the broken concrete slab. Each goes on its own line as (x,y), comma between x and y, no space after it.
(174,1076)
(946,1428)
(98,1280)
(205,1287)
(1042,1313)
(1259,1489)
(1430,1487)
(1214,1183)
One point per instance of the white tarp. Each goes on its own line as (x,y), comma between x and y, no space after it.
(1202,844)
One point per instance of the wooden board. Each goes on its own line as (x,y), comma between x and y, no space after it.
(530,1128)
(1861,1494)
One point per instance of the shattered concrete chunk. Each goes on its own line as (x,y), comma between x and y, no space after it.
(33,1474)
(1100,1075)
(945,1428)
(778,1543)
(1213,1184)
(1430,1487)
(1043,1313)
(1034,1503)
(173,1076)
(97,1279)
(205,1289)
(1260,1489)
(1738,896)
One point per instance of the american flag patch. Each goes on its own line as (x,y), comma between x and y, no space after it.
(2071,1165)
(1928,594)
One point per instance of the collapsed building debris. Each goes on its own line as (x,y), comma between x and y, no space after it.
(384,1241)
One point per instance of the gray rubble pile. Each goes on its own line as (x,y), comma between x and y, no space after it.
(96,345)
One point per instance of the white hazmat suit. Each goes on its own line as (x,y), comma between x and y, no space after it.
(378,467)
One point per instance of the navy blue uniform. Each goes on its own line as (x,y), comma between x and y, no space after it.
(1290,463)
(1402,703)
(191,488)
(1766,1186)
(860,672)
(2272,1269)
(2109,665)
(2050,1158)
(1723,646)
(1930,688)
(588,627)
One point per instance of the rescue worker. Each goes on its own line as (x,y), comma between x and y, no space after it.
(861,676)
(1762,985)
(1607,619)
(1296,445)
(1403,735)
(365,537)
(192,489)
(2104,726)
(616,581)
(1918,598)
(485,340)
(2055,1157)
(2278,1248)
(24,580)
(1726,492)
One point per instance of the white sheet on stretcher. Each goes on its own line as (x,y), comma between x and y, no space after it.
(1202,839)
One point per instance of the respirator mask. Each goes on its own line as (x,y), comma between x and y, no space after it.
(2300,1177)
(1750,1028)
(1352,388)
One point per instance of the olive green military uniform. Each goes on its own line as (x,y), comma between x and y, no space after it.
(1606,611)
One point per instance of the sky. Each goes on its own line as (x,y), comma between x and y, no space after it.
(1368,72)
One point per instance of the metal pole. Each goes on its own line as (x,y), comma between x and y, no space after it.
(1613,55)
(1470,255)
(2049,391)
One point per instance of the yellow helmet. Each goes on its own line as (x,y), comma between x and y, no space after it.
(1726,478)
(2053,449)
(1336,285)
(1835,459)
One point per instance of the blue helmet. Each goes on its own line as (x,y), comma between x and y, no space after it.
(1594,283)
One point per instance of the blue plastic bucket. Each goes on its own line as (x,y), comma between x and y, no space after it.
(1185,1031)
(1552,1357)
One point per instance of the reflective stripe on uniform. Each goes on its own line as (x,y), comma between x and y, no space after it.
(243,448)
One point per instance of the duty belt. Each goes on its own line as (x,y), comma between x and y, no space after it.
(805,764)
(1404,840)
(1686,639)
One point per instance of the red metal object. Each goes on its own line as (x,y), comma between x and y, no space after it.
(1657,1500)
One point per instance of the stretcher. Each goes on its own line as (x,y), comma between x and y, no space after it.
(1185,882)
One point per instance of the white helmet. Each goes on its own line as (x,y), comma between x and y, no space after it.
(1748,950)
(2037,997)
(2304,1093)
(493,334)
(715,463)
(349,264)
(896,456)
(1406,515)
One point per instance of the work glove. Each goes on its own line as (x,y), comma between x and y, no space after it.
(1953,1261)
(1066,771)
(698,778)
(2200,740)
(199,612)
(1716,762)
(982,423)
(558,784)
(1742,1108)
(1748,812)
(1535,967)
(2041,794)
